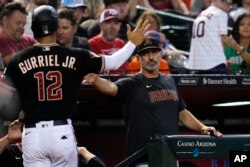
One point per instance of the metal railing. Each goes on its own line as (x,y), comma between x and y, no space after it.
(133,157)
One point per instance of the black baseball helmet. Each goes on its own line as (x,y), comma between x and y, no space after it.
(44,21)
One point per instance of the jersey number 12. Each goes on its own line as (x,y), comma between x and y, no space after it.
(53,91)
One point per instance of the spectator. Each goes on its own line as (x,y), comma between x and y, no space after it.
(107,42)
(122,6)
(243,8)
(166,5)
(12,39)
(80,10)
(11,150)
(206,51)
(238,46)
(200,5)
(151,102)
(66,33)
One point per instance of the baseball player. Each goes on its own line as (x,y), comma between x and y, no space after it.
(11,154)
(48,77)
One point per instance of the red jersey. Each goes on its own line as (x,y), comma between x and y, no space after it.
(9,47)
(99,46)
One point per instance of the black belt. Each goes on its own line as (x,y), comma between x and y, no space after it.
(55,123)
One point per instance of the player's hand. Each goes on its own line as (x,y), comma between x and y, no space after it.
(137,35)
(209,130)
(14,131)
(90,79)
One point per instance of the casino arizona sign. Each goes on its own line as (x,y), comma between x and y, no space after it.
(195,144)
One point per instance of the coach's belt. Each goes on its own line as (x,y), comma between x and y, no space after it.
(55,123)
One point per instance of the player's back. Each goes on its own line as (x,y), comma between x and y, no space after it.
(48,78)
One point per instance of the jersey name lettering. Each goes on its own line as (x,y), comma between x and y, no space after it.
(162,95)
(45,61)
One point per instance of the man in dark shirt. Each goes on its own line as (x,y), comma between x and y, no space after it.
(151,101)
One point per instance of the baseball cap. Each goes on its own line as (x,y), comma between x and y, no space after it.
(108,14)
(152,41)
(73,3)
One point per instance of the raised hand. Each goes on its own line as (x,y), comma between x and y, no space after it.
(137,35)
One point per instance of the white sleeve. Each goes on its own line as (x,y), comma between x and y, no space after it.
(114,61)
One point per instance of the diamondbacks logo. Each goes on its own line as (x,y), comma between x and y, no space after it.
(163,95)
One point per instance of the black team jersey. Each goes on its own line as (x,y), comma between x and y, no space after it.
(151,106)
(48,78)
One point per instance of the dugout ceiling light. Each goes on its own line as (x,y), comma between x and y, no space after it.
(232,104)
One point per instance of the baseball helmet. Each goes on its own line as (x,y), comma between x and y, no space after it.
(44,21)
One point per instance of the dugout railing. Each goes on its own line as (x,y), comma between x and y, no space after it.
(163,151)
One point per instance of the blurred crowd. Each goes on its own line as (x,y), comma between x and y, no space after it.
(100,26)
